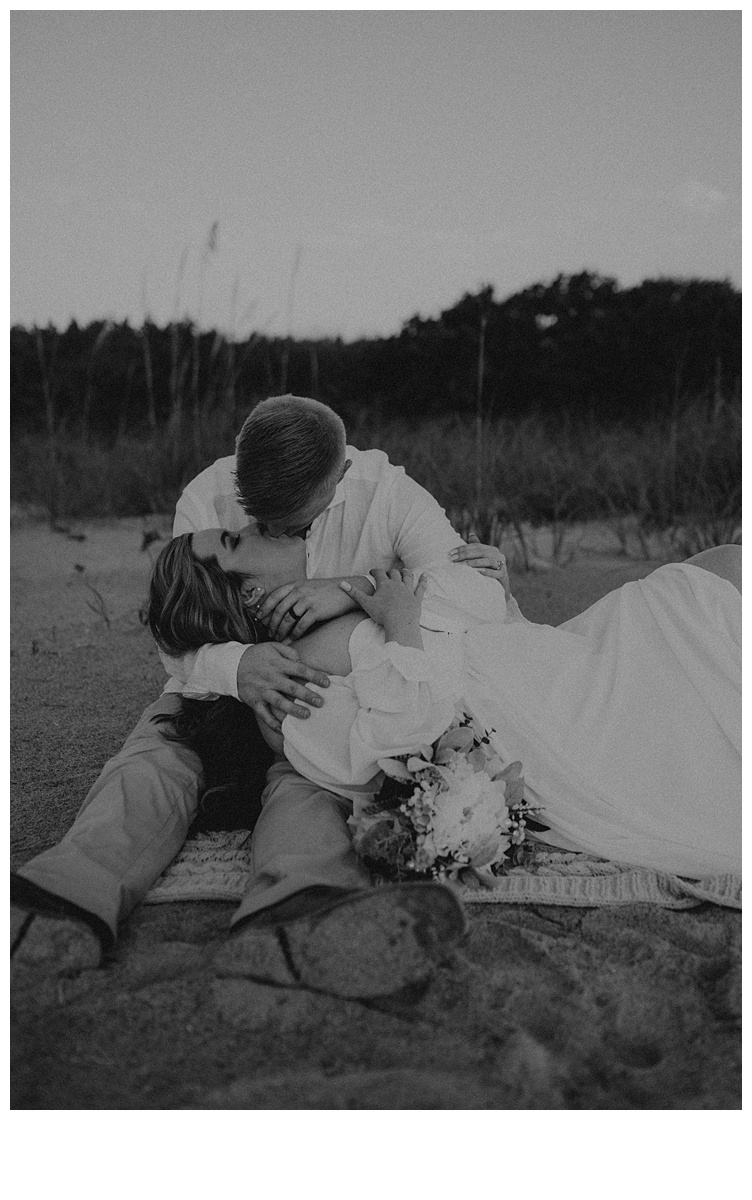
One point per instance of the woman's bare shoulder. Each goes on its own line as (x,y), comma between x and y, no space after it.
(327,648)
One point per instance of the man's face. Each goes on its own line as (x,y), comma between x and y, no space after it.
(269,561)
(297,522)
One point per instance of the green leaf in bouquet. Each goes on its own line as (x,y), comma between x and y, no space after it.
(494,765)
(478,877)
(387,841)
(477,760)
(469,879)
(395,769)
(515,792)
(485,854)
(417,764)
(444,758)
(455,739)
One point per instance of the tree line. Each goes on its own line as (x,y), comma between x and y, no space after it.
(579,346)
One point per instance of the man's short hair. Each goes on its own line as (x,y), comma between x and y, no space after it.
(288,449)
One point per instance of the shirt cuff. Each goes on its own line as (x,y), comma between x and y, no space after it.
(214,672)
(385,675)
(369,648)
(221,668)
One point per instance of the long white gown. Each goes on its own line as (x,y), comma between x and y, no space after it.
(627,719)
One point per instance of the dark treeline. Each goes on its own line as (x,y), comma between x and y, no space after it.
(579,347)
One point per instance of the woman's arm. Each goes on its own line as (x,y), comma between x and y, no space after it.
(391,702)
(395,605)
(396,699)
(294,608)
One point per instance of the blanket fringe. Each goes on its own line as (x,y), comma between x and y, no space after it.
(215,866)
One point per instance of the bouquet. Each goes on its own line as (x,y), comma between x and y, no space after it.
(449,811)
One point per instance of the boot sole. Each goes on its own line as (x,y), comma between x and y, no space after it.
(376,942)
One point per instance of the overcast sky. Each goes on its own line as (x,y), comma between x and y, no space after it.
(362,167)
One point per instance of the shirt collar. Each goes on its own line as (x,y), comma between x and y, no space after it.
(339,495)
(337,499)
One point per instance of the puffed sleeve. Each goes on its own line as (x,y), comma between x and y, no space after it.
(395,700)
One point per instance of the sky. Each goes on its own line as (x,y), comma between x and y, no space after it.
(333,173)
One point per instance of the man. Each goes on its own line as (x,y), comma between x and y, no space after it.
(296,476)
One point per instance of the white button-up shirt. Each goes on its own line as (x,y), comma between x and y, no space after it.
(378,517)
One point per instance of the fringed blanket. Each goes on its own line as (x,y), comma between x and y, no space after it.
(215,866)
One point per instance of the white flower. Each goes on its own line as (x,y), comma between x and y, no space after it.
(426,855)
(469,817)
(463,813)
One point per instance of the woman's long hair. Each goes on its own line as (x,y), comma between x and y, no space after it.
(234,758)
(193,602)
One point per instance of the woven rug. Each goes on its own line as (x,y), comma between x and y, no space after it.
(215,866)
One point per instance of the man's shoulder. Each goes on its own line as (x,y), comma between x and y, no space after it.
(373,465)
(214,479)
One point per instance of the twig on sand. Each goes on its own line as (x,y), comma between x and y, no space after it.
(98,605)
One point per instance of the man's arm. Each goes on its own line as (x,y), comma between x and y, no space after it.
(194,512)
(205,673)
(419,529)
(423,537)
(269,678)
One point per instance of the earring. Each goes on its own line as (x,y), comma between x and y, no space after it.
(253,598)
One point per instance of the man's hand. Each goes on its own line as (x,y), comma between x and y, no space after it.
(487,559)
(290,611)
(271,677)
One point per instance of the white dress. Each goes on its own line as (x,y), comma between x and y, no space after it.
(627,719)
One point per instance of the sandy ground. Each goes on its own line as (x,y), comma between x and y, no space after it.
(541,1007)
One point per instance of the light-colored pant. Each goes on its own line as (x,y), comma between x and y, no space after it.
(136,817)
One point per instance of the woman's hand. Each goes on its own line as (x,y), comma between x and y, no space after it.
(487,559)
(395,604)
(290,610)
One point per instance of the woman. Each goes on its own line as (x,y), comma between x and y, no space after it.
(626,718)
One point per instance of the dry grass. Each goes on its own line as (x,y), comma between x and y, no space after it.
(681,477)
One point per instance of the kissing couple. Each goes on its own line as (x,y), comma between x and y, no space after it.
(327,594)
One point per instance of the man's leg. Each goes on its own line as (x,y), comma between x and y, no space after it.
(301,841)
(131,825)
(309,917)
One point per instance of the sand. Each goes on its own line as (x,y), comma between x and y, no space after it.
(539,1008)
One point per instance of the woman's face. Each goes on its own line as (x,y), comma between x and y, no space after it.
(271,561)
